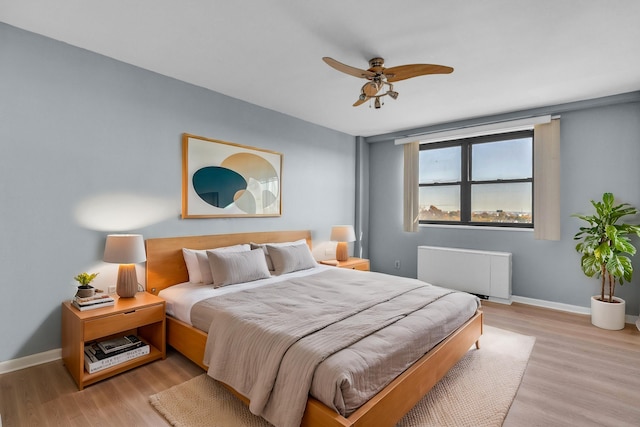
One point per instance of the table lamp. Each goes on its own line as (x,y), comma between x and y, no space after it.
(126,250)
(342,234)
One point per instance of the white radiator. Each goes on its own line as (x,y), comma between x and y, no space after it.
(484,273)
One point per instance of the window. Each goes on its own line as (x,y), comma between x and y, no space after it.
(485,180)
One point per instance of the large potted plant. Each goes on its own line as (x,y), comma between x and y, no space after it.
(606,252)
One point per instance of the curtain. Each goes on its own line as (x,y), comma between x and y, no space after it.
(411,190)
(546,181)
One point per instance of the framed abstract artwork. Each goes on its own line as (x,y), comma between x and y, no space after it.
(223,179)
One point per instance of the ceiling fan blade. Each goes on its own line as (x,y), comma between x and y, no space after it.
(368,91)
(352,71)
(360,101)
(402,72)
(371,89)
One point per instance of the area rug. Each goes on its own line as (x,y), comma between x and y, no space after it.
(477,391)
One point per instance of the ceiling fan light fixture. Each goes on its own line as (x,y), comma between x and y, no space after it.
(362,97)
(377,103)
(393,94)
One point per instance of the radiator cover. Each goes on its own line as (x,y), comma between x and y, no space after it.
(485,273)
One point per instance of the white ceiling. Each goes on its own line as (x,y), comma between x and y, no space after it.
(508,55)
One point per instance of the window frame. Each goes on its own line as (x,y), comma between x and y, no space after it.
(465,183)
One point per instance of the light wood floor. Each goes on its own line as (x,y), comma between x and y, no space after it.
(578,375)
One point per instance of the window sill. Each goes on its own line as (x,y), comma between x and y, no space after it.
(475,227)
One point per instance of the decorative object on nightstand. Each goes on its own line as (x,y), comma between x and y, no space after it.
(126,250)
(343,234)
(93,302)
(84,288)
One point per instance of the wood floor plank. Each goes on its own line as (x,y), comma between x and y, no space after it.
(578,375)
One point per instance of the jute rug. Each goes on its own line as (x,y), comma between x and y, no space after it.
(478,392)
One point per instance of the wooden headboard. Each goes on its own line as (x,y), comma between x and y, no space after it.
(165,263)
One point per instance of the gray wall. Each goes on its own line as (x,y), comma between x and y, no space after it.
(600,151)
(77,127)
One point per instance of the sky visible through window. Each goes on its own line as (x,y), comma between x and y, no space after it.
(502,160)
(491,161)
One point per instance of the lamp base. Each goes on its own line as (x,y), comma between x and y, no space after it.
(342,251)
(127,284)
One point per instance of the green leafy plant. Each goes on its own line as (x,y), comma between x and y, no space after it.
(85,278)
(604,244)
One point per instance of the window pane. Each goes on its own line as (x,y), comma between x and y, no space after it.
(510,159)
(441,203)
(440,165)
(501,203)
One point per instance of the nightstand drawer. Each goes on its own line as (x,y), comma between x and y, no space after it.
(118,322)
(354,263)
(363,266)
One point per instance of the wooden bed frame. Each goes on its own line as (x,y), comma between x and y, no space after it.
(166,267)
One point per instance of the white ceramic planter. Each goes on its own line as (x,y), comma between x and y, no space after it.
(607,315)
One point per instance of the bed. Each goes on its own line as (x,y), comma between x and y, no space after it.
(166,268)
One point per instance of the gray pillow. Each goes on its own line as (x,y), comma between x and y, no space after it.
(287,259)
(229,268)
(263,246)
(204,268)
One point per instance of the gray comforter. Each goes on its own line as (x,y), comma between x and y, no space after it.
(269,342)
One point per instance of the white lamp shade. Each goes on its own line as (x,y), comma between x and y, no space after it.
(124,249)
(343,233)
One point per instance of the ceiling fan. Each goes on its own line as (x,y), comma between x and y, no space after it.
(379,77)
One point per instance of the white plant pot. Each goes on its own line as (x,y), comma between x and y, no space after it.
(608,315)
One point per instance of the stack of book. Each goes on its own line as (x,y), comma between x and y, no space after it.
(100,355)
(93,302)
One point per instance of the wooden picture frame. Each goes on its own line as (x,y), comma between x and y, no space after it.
(222,179)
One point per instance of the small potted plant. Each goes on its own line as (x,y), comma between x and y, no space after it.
(84,287)
(606,252)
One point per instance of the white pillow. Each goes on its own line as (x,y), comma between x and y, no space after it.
(198,263)
(193,268)
(263,246)
(229,268)
(287,259)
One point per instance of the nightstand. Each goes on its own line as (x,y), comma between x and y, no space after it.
(142,315)
(352,263)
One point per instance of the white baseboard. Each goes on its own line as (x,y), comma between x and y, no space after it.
(31,360)
(500,300)
(565,307)
(551,304)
